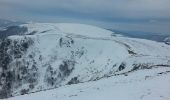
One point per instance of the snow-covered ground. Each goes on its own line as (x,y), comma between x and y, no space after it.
(97,64)
(148,84)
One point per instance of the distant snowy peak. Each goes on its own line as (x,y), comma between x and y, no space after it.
(68,28)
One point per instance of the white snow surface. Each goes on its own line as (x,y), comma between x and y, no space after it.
(98,56)
(140,85)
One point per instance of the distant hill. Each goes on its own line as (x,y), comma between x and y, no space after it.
(6,23)
(12,30)
(143,35)
(8,28)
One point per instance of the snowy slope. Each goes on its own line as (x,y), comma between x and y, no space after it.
(54,55)
(140,85)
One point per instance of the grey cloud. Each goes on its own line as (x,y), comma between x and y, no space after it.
(106,8)
(128,11)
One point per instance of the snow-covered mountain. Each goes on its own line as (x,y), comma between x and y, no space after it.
(51,56)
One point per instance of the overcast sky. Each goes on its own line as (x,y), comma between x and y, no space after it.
(145,15)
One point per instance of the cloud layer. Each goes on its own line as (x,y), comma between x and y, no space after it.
(122,11)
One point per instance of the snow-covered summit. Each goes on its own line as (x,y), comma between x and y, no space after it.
(69,28)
